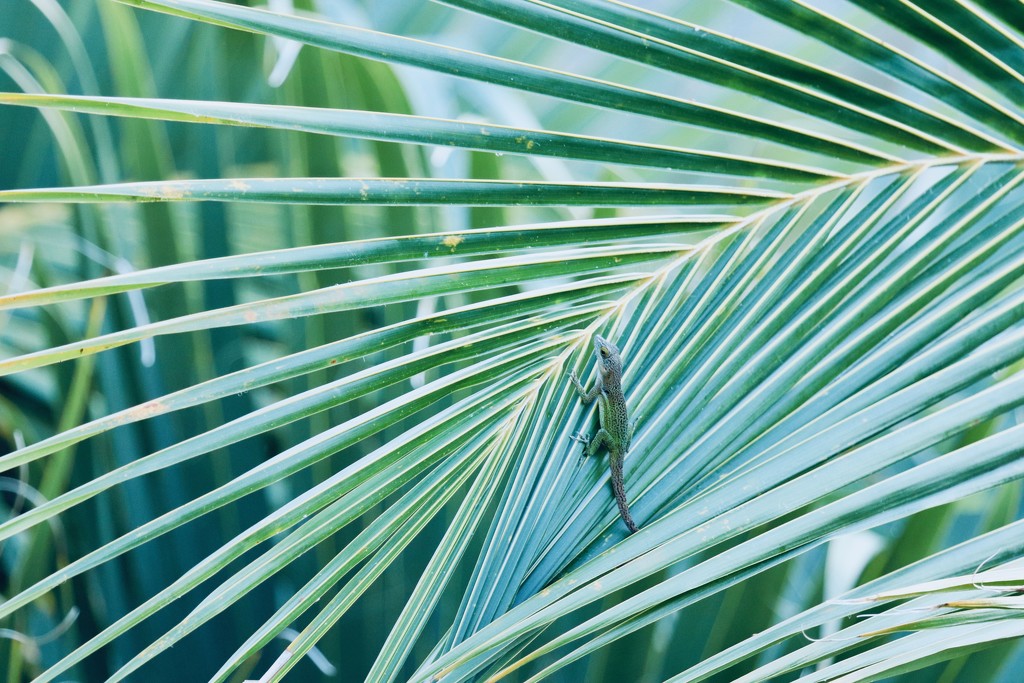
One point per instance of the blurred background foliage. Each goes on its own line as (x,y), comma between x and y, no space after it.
(106,48)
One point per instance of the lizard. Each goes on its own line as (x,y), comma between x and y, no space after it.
(616,431)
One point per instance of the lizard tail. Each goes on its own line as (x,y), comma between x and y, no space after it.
(620,492)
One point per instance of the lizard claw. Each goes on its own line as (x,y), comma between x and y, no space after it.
(581,439)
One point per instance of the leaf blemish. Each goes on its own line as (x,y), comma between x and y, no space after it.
(167,191)
(148,409)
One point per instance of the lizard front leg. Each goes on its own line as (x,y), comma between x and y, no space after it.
(585,396)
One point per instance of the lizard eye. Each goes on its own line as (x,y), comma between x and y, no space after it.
(604,352)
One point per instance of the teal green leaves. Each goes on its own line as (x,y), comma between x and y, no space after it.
(359,295)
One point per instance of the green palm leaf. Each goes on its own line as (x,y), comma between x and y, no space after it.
(841,351)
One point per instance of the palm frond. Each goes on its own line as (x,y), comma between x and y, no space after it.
(840,351)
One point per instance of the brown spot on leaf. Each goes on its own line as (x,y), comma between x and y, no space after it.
(452,241)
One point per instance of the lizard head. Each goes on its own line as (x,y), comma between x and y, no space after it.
(609,361)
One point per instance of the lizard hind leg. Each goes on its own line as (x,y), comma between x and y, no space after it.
(601,438)
(580,438)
